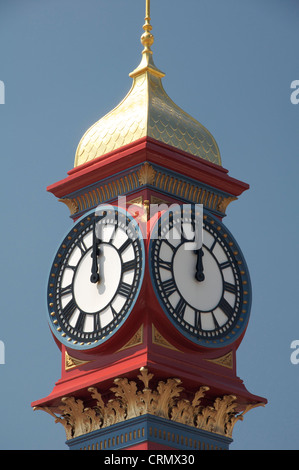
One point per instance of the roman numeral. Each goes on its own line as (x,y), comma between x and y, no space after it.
(66,290)
(68,266)
(80,322)
(226,307)
(169,244)
(224,265)
(81,245)
(213,245)
(69,309)
(164,264)
(112,236)
(97,322)
(197,319)
(181,306)
(97,319)
(129,265)
(214,320)
(229,287)
(125,245)
(183,236)
(124,289)
(114,312)
(169,287)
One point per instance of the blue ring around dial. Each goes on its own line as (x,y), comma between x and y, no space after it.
(235,315)
(57,313)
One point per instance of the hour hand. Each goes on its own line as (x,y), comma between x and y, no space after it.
(199,275)
(95,277)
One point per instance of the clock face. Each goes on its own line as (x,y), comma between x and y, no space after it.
(204,288)
(95,278)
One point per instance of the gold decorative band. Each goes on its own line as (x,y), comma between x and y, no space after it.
(147,175)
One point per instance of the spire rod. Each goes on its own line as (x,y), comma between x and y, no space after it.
(148,9)
(147,39)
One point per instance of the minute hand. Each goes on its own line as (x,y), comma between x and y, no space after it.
(199,275)
(95,277)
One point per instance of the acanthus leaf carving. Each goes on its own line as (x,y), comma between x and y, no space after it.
(164,401)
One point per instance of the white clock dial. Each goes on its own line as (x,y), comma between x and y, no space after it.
(95,278)
(204,290)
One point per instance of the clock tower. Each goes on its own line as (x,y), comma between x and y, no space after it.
(149,293)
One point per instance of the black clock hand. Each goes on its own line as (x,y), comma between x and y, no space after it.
(95,277)
(199,275)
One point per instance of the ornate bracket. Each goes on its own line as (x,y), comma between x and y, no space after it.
(163,401)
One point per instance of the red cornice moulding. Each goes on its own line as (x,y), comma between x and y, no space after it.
(77,386)
(152,151)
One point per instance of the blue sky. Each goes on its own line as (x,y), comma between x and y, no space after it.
(65,64)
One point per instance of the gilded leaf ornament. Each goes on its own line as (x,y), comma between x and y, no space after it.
(146,174)
(164,401)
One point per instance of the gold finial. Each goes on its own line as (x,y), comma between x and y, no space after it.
(147,39)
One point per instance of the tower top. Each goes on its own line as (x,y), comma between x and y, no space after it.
(147,111)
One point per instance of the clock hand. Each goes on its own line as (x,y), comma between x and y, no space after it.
(95,277)
(199,275)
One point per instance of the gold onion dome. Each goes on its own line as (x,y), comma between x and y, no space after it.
(147,111)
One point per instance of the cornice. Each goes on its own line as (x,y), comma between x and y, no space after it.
(155,153)
(151,176)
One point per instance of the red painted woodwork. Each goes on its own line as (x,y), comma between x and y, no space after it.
(147,149)
(149,446)
(181,358)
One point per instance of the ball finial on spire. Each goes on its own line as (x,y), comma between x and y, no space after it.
(147,39)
